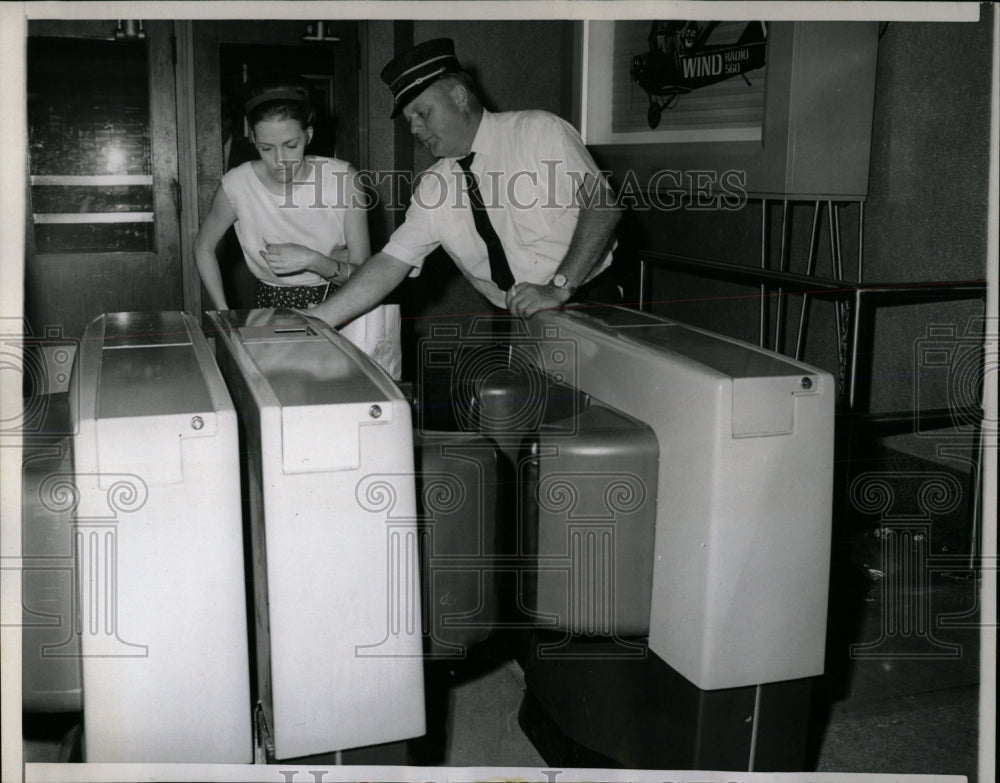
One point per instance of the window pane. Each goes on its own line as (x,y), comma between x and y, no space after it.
(53,199)
(93,237)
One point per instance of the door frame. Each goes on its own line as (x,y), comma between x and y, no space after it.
(187,163)
(199,122)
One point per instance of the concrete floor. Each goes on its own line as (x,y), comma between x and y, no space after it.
(872,715)
(876,714)
(912,706)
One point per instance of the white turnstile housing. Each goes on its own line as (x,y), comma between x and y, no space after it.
(745,487)
(158,546)
(329,446)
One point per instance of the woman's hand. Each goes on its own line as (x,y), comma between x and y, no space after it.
(290,258)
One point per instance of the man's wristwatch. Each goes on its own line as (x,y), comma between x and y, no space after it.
(560,281)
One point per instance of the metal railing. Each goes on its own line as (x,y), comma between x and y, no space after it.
(858,302)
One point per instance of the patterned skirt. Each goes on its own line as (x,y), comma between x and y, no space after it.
(297,297)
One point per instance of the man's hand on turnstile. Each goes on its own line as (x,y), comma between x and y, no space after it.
(526,299)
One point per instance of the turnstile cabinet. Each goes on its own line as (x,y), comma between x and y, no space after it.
(158,546)
(589,512)
(744,490)
(51,679)
(586,478)
(332,510)
(459,535)
(720,677)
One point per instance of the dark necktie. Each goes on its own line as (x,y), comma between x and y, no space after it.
(499,268)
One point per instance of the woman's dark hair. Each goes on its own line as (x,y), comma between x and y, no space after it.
(278,97)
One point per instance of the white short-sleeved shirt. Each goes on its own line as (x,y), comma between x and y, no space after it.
(310,214)
(529,165)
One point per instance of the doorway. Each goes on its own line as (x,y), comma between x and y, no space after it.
(229,53)
(238,65)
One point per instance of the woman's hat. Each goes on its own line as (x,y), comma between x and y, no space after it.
(415,70)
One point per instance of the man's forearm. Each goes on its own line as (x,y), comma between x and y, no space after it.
(594,235)
(373,281)
(592,238)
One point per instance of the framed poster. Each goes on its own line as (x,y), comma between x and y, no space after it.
(798,125)
(674,81)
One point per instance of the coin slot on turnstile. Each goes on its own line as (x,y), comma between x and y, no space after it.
(269,333)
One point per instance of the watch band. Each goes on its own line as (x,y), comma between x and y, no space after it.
(560,280)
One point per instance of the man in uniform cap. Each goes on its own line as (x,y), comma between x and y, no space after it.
(514,198)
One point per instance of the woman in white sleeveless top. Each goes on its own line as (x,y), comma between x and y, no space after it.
(294,215)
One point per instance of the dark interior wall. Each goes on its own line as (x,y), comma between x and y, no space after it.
(379,44)
(518,65)
(930,153)
(925,217)
(927,210)
(928,207)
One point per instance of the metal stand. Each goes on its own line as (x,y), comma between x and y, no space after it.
(856,308)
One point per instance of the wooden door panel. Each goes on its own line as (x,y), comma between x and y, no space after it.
(66,290)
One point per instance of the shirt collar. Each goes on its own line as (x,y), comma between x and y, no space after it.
(484,133)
